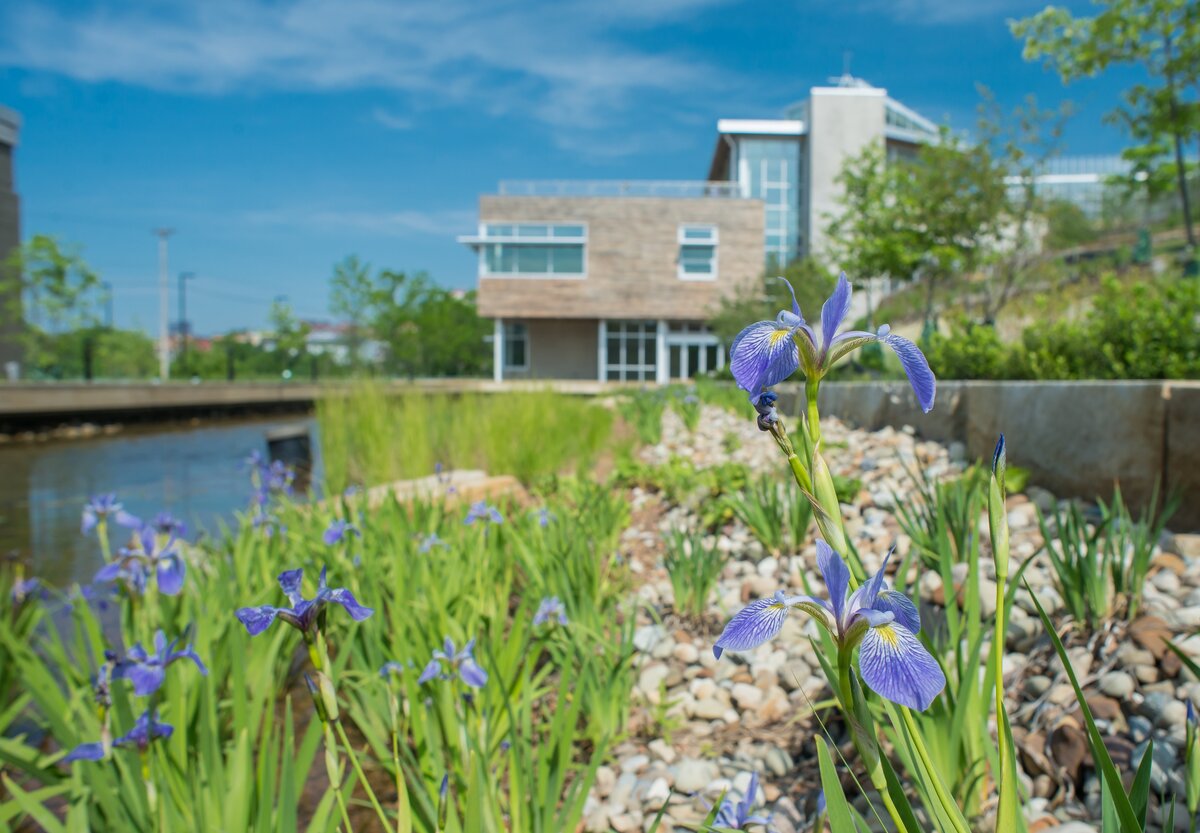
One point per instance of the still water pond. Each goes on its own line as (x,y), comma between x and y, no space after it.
(195,473)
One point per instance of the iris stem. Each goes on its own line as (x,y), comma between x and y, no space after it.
(952,811)
(814,416)
(859,733)
(341,730)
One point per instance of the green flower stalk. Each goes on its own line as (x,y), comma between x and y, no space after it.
(1007,818)
(1192,765)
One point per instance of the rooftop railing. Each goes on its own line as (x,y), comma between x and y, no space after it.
(618,188)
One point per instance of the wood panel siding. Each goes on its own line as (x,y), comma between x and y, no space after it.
(631,259)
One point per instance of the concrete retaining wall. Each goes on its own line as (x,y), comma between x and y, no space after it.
(1077,438)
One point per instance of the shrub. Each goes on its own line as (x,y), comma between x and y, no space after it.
(969,351)
(1145,330)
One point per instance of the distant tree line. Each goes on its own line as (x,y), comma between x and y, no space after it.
(395,325)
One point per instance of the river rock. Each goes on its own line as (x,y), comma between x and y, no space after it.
(1116,684)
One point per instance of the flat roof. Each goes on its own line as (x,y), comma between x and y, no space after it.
(762,127)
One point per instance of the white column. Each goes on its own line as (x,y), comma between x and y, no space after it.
(498,350)
(662,367)
(601,346)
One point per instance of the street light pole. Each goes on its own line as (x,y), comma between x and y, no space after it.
(164,347)
(184,328)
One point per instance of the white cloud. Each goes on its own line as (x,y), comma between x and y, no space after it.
(565,63)
(940,12)
(443,222)
(390,120)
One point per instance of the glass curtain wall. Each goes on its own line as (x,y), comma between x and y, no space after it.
(772,170)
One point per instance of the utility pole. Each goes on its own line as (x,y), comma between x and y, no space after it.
(164,346)
(184,328)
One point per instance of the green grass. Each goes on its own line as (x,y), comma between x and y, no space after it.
(246,754)
(369,436)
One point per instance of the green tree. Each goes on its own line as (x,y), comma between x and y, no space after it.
(290,335)
(353,297)
(931,217)
(1067,226)
(1162,38)
(54,292)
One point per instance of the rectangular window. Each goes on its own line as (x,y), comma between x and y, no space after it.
(630,350)
(697,253)
(534,250)
(516,346)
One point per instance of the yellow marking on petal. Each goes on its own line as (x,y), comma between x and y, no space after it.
(778,336)
(888,634)
(777,606)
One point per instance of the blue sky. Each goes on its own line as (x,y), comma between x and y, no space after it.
(278,136)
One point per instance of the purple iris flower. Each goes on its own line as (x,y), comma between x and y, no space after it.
(145,729)
(303,613)
(133,565)
(461,663)
(767,352)
(23,589)
(735,815)
(892,660)
(99,508)
(482,511)
(551,608)
(544,517)
(430,541)
(391,667)
(167,524)
(148,671)
(337,532)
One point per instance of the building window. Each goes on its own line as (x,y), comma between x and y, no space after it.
(692,350)
(697,253)
(534,250)
(516,346)
(630,350)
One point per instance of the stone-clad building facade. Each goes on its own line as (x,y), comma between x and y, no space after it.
(10,235)
(614,288)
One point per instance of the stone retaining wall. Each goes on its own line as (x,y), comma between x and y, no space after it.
(1077,438)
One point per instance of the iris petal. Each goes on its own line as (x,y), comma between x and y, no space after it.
(762,355)
(895,665)
(346,599)
(472,674)
(109,572)
(432,669)
(146,679)
(837,578)
(257,619)
(756,623)
(895,602)
(921,378)
(834,311)
(85,752)
(289,581)
(170,575)
(795,303)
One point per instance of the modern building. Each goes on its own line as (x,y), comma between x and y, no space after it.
(792,163)
(10,239)
(611,281)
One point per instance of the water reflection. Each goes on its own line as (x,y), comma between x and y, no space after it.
(196,473)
